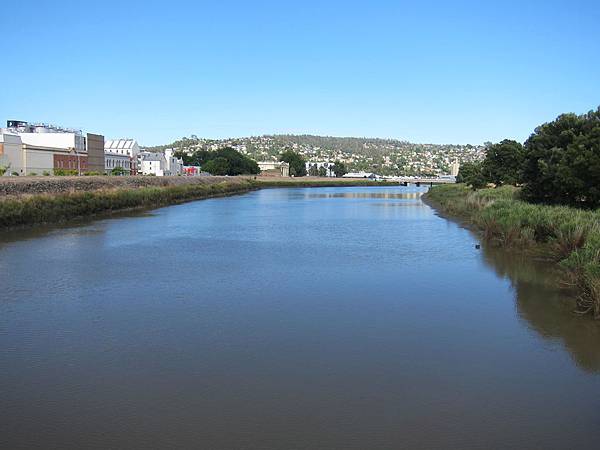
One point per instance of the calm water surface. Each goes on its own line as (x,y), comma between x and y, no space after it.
(330,318)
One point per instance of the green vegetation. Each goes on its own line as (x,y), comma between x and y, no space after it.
(90,173)
(3,170)
(562,162)
(118,171)
(296,162)
(48,208)
(503,163)
(567,235)
(559,164)
(65,172)
(339,168)
(471,174)
(225,161)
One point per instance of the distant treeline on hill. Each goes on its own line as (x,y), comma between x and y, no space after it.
(276,144)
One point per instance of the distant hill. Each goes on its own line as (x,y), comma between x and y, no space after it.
(385,156)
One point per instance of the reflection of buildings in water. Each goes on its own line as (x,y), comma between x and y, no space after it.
(374,195)
(546,307)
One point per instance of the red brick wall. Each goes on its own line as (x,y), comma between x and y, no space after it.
(69,162)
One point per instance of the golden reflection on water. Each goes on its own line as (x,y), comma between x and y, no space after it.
(547,306)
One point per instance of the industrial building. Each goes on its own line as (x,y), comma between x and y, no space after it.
(36,149)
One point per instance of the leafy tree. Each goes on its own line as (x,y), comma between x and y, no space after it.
(339,168)
(562,161)
(230,161)
(313,170)
(296,162)
(217,166)
(322,171)
(117,171)
(503,162)
(472,175)
(238,163)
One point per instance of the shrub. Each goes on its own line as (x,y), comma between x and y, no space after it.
(65,172)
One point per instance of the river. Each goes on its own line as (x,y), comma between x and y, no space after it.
(324,318)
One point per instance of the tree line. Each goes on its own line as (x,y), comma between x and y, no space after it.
(558,164)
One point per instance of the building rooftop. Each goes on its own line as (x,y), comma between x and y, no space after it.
(119,144)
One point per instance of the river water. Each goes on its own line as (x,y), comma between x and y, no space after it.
(325,318)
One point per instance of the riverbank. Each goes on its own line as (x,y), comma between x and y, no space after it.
(41,200)
(570,237)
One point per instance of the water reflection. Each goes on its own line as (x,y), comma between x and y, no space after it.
(368,195)
(546,306)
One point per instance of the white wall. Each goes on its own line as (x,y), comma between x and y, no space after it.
(12,153)
(54,140)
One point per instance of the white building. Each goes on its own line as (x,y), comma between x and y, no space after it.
(454,168)
(39,148)
(153,164)
(369,175)
(276,167)
(112,161)
(123,147)
(174,165)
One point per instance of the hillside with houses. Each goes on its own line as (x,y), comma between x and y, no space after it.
(384,156)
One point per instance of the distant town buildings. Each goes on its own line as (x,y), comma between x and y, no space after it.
(386,157)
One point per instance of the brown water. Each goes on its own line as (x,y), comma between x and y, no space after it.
(330,318)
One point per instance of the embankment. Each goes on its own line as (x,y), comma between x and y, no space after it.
(42,200)
(570,237)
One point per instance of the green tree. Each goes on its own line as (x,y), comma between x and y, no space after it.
(322,171)
(117,171)
(562,161)
(503,163)
(339,168)
(238,164)
(472,174)
(217,166)
(296,162)
(313,170)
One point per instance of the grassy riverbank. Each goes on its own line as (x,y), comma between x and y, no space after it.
(40,200)
(568,236)
(62,206)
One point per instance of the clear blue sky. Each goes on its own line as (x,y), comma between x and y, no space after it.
(425,71)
